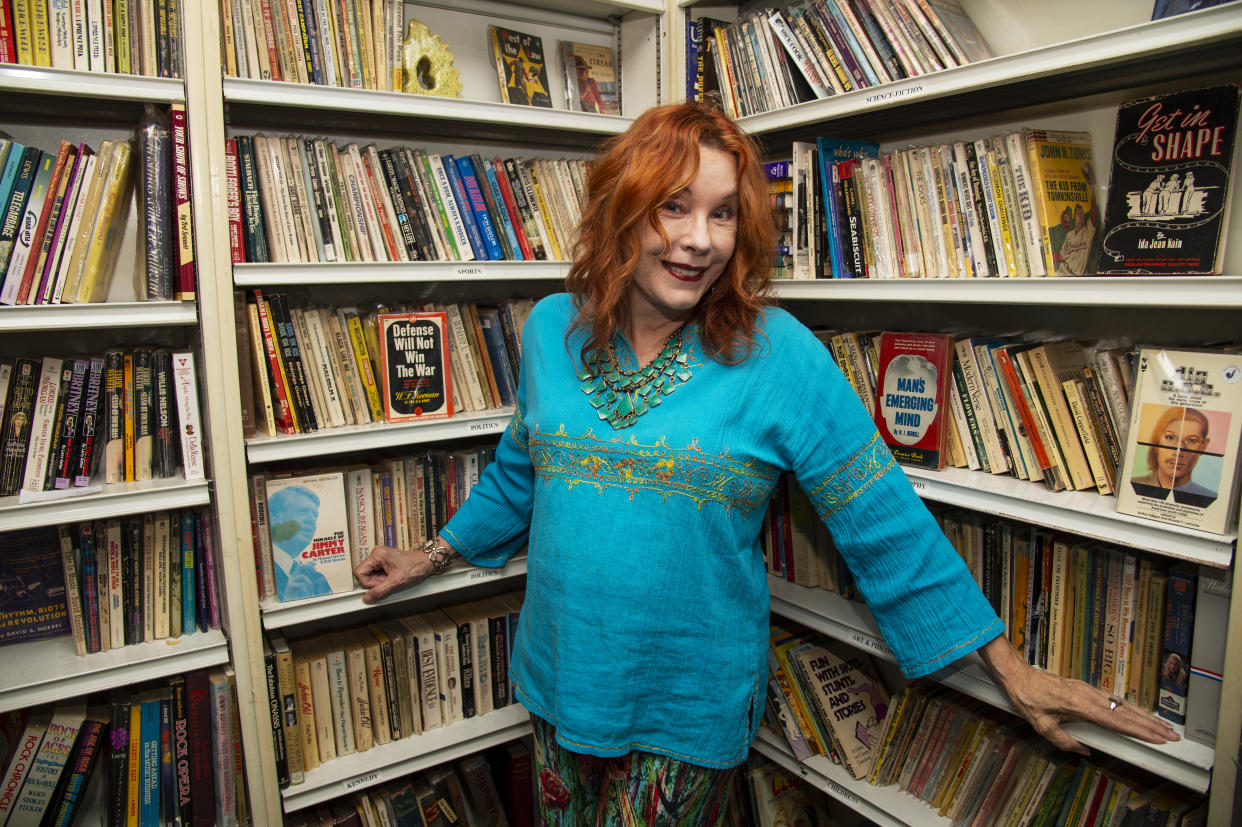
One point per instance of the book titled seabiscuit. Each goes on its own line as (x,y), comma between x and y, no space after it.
(309,529)
(1181,457)
(1168,201)
(414,366)
(912,390)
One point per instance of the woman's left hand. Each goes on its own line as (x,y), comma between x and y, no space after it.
(1048,700)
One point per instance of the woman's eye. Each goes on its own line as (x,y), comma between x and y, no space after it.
(672,206)
(723,213)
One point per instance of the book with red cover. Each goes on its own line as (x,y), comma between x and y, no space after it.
(912,394)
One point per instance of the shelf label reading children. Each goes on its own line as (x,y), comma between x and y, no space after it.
(415,370)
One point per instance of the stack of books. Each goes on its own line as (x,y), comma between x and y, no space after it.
(369,685)
(304,199)
(137,37)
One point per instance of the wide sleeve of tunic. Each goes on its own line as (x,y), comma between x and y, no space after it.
(493,522)
(928,606)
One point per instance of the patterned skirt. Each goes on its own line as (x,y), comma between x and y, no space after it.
(632,790)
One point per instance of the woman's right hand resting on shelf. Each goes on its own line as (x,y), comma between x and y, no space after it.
(387,569)
(1047,700)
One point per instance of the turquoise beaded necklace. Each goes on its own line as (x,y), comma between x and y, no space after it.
(621,396)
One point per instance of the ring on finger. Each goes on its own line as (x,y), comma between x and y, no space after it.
(1114,702)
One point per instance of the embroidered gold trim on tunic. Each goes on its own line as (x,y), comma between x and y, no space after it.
(689,472)
(853,478)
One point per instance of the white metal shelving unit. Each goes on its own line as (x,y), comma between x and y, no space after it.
(30,318)
(103,501)
(303,275)
(395,759)
(50,669)
(886,806)
(1185,762)
(277,615)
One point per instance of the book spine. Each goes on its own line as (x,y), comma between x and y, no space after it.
(185,386)
(1179,613)
(183,220)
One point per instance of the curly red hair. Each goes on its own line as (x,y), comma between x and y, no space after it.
(637,171)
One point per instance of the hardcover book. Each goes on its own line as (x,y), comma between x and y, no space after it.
(913,387)
(1063,178)
(590,78)
(1181,457)
(1168,200)
(414,367)
(32,587)
(310,535)
(520,67)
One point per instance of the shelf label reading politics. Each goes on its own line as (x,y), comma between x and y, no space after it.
(415,370)
(1168,200)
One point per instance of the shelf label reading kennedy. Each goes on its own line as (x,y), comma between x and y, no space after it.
(370,779)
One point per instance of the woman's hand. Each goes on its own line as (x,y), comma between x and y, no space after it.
(1048,700)
(387,569)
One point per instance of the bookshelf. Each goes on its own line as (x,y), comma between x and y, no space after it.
(1058,65)
(228,106)
(41,106)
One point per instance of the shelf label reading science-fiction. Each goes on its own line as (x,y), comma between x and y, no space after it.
(415,370)
(1168,201)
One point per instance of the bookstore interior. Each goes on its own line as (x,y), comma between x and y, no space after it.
(264,271)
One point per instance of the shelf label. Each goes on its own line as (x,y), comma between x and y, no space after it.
(872,643)
(468,270)
(368,780)
(487,426)
(918,485)
(485,574)
(894,94)
(844,794)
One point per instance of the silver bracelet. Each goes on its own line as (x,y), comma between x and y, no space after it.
(438,553)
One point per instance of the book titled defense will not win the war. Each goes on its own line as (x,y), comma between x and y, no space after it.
(415,368)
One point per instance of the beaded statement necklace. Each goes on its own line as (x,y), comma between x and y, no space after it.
(621,396)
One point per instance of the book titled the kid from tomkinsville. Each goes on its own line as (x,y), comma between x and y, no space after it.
(309,530)
(1168,201)
(414,366)
(912,395)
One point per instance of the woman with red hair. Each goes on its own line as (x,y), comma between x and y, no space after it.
(659,401)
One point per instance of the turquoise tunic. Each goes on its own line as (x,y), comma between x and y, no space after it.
(645,624)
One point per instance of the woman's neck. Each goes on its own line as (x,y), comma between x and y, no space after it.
(647,337)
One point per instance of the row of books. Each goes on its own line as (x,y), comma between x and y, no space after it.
(72,424)
(1022,204)
(1155,426)
(492,788)
(1130,624)
(138,37)
(773,58)
(312,529)
(971,209)
(111,583)
(972,763)
(315,367)
(167,753)
(64,214)
(306,199)
(336,694)
(327,42)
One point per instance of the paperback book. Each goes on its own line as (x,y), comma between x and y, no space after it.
(1168,201)
(520,67)
(590,78)
(310,535)
(913,387)
(1181,458)
(414,366)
